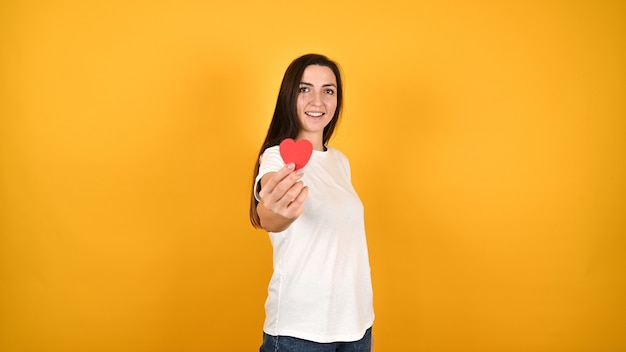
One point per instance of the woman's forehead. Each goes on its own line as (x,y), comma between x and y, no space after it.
(318,74)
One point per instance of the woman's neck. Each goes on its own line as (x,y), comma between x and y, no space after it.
(316,140)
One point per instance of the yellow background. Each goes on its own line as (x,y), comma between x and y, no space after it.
(487,142)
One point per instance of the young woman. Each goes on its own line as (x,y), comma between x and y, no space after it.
(320,294)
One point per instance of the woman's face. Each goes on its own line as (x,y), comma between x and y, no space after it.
(317,101)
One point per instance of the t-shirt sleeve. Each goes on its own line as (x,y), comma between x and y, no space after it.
(270,161)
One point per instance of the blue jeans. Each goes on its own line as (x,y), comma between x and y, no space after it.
(293,344)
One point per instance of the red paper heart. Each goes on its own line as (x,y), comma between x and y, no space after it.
(298,152)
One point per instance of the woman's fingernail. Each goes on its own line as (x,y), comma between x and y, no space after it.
(300,172)
(291,166)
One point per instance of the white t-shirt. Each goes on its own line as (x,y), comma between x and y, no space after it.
(321,288)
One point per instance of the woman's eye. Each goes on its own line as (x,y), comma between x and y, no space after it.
(330,91)
(304,89)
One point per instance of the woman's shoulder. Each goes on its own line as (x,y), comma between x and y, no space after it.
(336,153)
(334,150)
(270,150)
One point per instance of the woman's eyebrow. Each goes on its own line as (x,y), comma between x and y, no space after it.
(323,85)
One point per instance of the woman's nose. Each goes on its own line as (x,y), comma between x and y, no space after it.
(317,99)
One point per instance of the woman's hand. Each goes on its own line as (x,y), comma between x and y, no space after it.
(282,198)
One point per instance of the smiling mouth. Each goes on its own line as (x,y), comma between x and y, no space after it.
(314,114)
